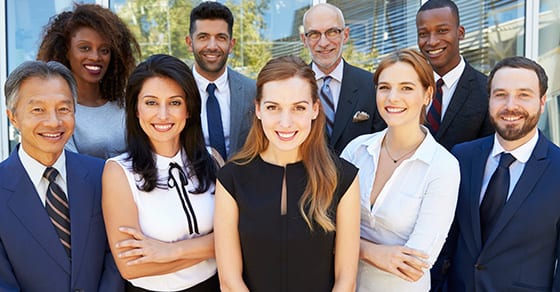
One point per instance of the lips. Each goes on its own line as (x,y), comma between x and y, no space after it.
(512,116)
(212,56)
(394,110)
(162,127)
(52,136)
(93,69)
(434,52)
(286,136)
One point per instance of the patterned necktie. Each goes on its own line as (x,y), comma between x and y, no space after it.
(495,195)
(214,119)
(328,103)
(434,113)
(57,208)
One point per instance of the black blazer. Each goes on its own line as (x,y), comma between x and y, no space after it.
(466,117)
(357,93)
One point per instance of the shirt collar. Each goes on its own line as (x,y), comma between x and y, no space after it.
(521,153)
(452,76)
(336,74)
(35,169)
(163,162)
(424,152)
(202,82)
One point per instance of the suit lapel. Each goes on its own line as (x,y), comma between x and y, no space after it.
(27,207)
(80,197)
(346,104)
(459,97)
(478,164)
(534,168)
(236,108)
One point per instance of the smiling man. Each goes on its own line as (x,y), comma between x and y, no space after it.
(227,95)
(347,92)
(52,235)
(459,112)
(506,235)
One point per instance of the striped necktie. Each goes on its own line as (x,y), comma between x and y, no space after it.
(434,113)
(57,208)
(328,103)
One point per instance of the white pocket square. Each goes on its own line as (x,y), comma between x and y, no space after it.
(360,116)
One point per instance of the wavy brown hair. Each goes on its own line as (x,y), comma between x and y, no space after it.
(319,161)
(124,47)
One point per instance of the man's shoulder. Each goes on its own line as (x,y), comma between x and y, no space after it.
(85,161)
(473,73)
(356,71)
(239,77)
(466,148)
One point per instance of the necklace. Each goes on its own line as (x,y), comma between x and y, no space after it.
(403,156)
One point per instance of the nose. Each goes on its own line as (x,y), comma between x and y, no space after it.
(392,95)
(94,55)
(212,43)
(162,111)
(323,40)
(286,119)
(52,119)
(432,39)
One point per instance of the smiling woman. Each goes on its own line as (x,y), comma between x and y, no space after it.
(100,51)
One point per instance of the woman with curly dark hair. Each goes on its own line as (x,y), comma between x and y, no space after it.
(101,51)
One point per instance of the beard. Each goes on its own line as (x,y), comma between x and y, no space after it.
(512,132)
(208,67)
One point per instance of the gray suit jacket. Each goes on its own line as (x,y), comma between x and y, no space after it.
(242,94)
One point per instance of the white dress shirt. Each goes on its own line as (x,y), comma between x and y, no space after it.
(450,81)
(521,154)
(222,95)
(35,172)
(415,208)
(335,84)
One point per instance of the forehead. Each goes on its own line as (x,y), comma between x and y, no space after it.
(435,17)
(515,78)
(322,17)
(211,26)
(287,91)
(88,34)
(53,89)
(399,72)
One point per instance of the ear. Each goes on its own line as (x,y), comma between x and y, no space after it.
(428,95)
(461,32)
(345,34)
(231,45)
(257,110)
(12,119)
(542,103)
(316,109)
(188,41)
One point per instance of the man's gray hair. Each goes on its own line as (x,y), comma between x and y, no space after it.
(40,69)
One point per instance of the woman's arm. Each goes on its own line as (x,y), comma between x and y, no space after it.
(135,254)
(228,248)
(347,240)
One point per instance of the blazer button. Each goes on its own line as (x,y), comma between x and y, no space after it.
(479,267)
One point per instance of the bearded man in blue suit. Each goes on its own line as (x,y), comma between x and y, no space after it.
(515,245)
(52,235)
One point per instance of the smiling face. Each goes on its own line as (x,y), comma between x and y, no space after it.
(89,55)
(400,95)
(44,116)
(286,111)
(326,52)
(515,104)
(162,113)
(438,38)
(210,44)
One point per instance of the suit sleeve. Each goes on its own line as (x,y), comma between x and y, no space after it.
(556,280)
(8,281)
(111,279)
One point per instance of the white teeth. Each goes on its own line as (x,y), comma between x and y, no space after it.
(394,109)
(286,135)
(433,52)
(511,118)
(52,135)
(163,127)
(93,67)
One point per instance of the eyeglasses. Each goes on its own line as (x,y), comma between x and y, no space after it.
(331,34)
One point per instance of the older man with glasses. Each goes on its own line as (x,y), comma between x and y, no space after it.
(347,92)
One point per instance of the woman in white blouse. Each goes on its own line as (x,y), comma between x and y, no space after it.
(158,200)
(408,182)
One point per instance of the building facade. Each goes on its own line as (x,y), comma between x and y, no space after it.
(495,29)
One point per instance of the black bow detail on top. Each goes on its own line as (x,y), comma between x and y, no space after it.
(183,195)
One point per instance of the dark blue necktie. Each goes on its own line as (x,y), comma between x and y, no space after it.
(214,119)
(495,195)
(434,113)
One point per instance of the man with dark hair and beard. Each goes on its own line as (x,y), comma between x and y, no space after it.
(507,222)
(227,96)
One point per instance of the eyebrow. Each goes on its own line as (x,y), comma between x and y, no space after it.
(297,102)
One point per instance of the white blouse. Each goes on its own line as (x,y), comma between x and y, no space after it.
(161,216)
(415,208)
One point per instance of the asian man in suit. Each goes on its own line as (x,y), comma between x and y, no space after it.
(460,112)
(210,40)
(52,236)
(507,231)
(347,92)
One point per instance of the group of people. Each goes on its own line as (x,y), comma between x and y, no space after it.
(317,177)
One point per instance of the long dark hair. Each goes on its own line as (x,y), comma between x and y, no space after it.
(191,138)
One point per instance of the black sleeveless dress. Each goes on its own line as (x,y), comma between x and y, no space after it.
(280,252)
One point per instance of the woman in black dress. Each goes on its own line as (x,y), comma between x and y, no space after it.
(283,198)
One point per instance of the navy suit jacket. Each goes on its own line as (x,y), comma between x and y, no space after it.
(521,251)
(242,92)
(466,118)
(31,255)
(357,93)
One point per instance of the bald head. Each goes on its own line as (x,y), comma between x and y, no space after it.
(323,9)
